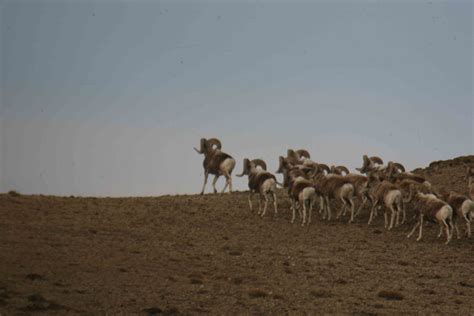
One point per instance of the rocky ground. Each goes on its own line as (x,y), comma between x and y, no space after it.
(195,254)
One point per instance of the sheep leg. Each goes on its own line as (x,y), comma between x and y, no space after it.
(259,204)
(250,200)
(293,207)
(227,178)
(321,205)
(421,228)
(275,203)
(343,209)
(364,200)
(352,210)
(299,208)
(385,215)
(303,203)
(394,214)
(310,210)
(228,182)
(413,230)
(206,175)
(397,218)
(468,226)
(266,204)
(371,217)
(328,208)
(457,229)
(440,230)
(404,213)
(214,183)
(448,235)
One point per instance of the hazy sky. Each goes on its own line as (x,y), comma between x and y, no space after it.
(108,98)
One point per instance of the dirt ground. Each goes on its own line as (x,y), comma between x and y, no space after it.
(195,254)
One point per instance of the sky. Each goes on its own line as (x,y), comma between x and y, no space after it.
(105,98)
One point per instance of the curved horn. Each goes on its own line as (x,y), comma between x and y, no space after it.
(292,156)
(202,145)
(341,169)
(261,163)
(280,167)
(324,167)
(398,166)
(246,168)
(376,159)
(303,153)
(214,141)
(365,164)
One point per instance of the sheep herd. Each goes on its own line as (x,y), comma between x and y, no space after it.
(384,188)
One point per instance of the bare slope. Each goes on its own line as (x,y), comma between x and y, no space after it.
(209,254)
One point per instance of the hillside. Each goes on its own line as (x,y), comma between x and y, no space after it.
(194,254)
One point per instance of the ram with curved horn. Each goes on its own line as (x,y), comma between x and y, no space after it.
(261,181)
(397,175)
(286,167)
(429,207)
(333,186)
(371,164)
(360,183)
(463,209)
(303,153)
(216,163)
(470,181)
(387,195)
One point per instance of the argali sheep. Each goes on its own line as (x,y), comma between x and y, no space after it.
(215,162)
(470,181)
(297,157)
(396,172)
(260,181)
(387,195)
(300,188)
(333,186)
(371,164)
(463,209)
(433,209)
(303,192)
(289,170)
(359,181)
